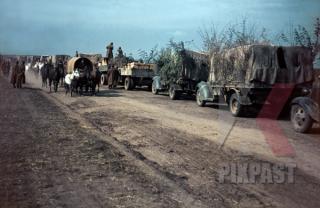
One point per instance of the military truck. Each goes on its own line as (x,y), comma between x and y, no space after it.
(194,68)
(246,75)
(137,74)
(132,73)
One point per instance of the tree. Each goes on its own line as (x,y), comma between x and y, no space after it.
(150,57)
(299,35)
(234,35)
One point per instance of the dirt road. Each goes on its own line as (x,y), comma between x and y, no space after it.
(134,149)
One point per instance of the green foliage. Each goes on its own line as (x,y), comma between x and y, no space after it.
(170,62)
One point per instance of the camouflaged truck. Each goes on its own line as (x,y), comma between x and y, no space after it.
(245,76)
(194,69)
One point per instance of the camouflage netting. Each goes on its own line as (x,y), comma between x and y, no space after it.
(265,64)
(183,64)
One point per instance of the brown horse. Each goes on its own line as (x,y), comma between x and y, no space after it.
(95,77)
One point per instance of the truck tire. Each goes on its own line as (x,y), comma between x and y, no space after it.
(235,106)
(300,119)
(133,84)
(103,79)
(173,94)
(200,102)
(128,83)
(154,90)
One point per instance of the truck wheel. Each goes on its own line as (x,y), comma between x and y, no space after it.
(173,94)
(154,90)
(235,106)
(133,84)
(128,83)
(300,119)
(102,79)
(200,102)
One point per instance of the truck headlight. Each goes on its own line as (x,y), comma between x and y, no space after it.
(306,91)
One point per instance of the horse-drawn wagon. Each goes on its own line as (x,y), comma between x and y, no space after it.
(87,75)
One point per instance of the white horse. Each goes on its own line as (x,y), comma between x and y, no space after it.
(70,81)
(28,66)
(38,65)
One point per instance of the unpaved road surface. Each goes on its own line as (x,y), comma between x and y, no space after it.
(134,149)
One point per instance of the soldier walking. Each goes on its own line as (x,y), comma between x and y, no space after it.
(20,75)
(14,74)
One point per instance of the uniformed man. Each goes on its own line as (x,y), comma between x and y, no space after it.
(14,74)
(120,52)
(110,51)
(20,73)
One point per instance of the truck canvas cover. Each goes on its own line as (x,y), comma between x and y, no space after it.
(262,64)
(195,65)
(184,64)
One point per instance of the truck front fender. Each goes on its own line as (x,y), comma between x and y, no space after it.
(204,91)
(157,82)
(310,106)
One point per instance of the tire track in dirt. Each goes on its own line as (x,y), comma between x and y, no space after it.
(231,195)
(177,192)
(215,199)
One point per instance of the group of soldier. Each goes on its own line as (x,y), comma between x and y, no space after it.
(5,66)
(109,54)
(17,71)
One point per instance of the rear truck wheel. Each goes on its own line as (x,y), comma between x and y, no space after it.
(102,79)
(173,93)
(154,90)
(199,99)
(235,106)
(128,83)
(300,119)
(133,84)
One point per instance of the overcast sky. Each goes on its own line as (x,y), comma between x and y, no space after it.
(64,26)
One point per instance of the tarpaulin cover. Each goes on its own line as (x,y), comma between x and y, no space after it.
(262,64)
(195,65)
(75,62)
(94,58)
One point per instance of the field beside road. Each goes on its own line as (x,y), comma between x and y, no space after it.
(135,149)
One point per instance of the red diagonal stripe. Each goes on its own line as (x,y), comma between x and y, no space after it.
(268,124)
